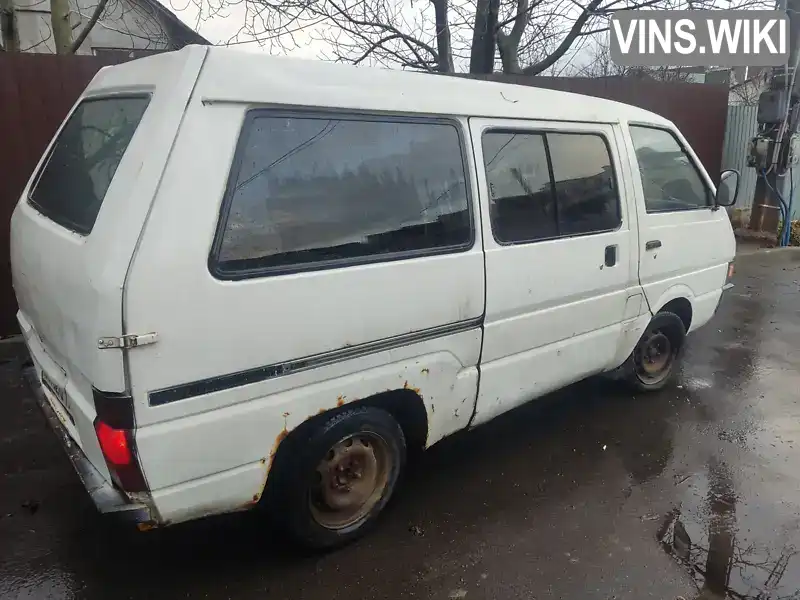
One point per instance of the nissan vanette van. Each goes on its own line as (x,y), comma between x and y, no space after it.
(247,280)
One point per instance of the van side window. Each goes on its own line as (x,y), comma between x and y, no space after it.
(545,185)
(521,194)
(585,187)
(316,191)
(670,179)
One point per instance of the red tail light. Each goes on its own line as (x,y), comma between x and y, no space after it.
(114,444)
(115,426)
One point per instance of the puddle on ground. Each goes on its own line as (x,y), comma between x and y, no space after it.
(716,536)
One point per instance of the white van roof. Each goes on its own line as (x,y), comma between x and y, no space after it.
(230,75)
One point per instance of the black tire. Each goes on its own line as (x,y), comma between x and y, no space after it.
(298,503)
(666,328)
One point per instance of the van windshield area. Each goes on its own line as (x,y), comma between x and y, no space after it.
(78,171)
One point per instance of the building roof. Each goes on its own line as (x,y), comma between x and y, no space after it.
(179,33)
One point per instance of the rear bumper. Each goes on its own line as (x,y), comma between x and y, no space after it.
(108,499)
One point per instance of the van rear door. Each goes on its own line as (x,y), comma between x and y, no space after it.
(75,230)
(64,302)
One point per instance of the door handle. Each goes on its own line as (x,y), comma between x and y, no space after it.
(611,256)
(652,245)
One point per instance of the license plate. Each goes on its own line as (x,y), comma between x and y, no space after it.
(60,394)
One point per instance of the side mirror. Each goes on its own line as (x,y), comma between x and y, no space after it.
(728,188)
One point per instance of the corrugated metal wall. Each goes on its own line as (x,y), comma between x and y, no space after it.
(740,128)
(787,192)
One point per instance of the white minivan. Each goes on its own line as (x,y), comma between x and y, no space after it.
(246,280)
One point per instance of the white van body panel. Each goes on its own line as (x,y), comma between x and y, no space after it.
(241,363)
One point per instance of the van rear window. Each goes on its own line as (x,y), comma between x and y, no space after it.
(78,171)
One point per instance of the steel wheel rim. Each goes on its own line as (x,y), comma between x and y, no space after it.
(653,357)
(350,480)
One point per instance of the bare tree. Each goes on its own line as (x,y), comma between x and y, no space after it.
(599,64)
(747,90)
(9,34)
(62,30)
(515,36)
(713,558)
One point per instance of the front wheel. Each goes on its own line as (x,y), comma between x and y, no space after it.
(655,359)
(335,484)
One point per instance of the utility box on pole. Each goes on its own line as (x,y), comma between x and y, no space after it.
(774,148)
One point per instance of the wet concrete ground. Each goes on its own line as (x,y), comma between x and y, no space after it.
(591,494)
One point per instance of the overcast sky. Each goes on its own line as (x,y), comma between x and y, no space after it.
(221,28)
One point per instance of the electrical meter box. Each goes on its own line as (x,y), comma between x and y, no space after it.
(759,152)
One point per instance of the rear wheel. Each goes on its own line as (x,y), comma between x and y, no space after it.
(655,359)
(334,484)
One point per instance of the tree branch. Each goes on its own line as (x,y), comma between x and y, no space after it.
(389,28)
(40,42)
(516,16)
(508,44)
(9,34)
(484,36)
(593,31)
(565,45)
(443,42)
(610,11)
(374,46)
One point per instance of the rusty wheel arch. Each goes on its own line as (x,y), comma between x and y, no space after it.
(405,405)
